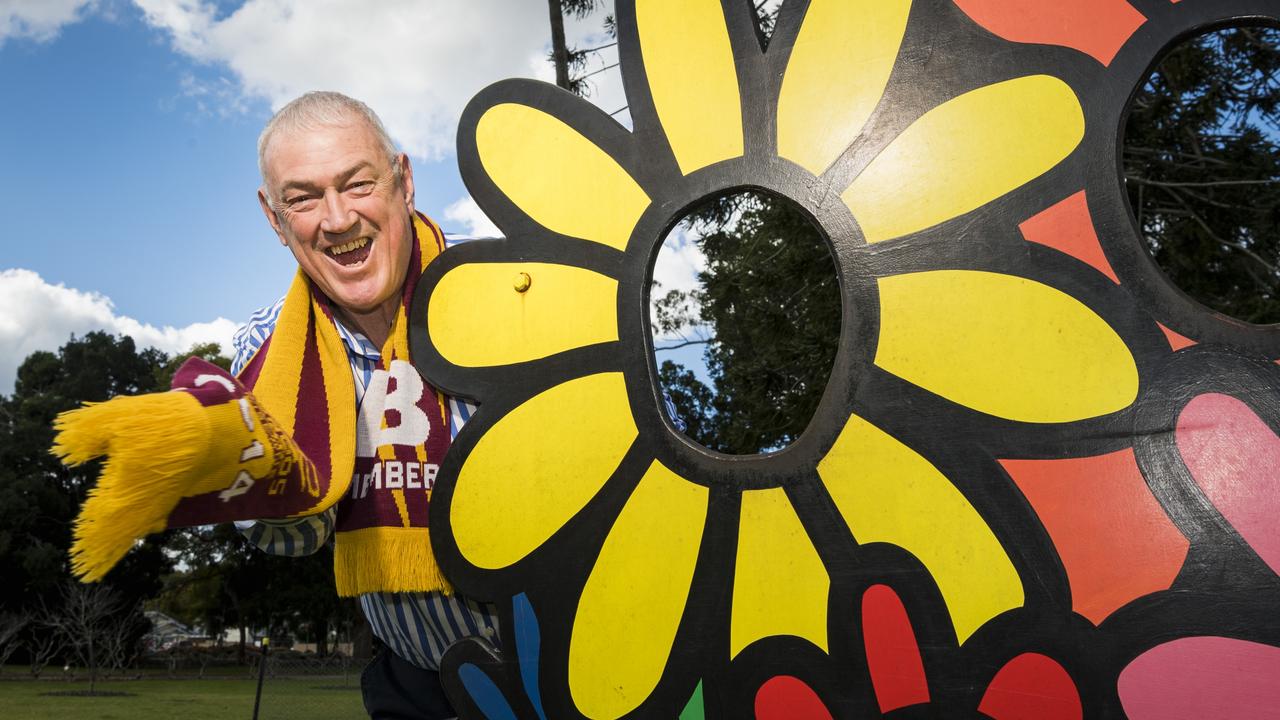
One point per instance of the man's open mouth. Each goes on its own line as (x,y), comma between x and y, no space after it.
(353,253)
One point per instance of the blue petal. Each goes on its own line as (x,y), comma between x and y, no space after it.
(486,695)
(528,647)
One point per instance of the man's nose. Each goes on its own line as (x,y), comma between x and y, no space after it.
(338,218)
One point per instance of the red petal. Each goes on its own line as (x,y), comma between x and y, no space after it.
(1032,687)
(893,657)
(784,697)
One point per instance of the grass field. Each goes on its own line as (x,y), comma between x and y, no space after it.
(318,698)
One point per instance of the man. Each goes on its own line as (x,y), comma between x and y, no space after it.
(340,197)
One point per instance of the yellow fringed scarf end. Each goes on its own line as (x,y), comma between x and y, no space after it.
(386,559)
(149,439)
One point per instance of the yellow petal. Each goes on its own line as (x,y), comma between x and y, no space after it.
(632,603)
(888,493)
(965,153)
(1003,345)
(536,468)
(689,65)
(519,326)
(558,177)
(780,586)
(837,72)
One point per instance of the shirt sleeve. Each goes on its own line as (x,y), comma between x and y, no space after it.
(253,334)
(460,411)
(290,538)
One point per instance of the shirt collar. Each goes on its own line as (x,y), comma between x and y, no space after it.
(357,343)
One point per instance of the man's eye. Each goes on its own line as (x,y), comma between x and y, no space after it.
(361,187)
(298,201)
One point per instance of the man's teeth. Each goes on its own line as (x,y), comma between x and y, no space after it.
(353,245)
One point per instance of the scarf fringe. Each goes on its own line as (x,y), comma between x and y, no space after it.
(146,437)
(386,559)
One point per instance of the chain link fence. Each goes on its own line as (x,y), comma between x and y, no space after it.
(285,676)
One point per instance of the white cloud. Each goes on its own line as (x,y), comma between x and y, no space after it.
(51,313)
(679,261)
(221,96)
(676,268)
(39,20)
(467,213)
(415,62)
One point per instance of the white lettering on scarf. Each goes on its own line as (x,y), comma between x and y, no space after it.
(414,426)
(394,475)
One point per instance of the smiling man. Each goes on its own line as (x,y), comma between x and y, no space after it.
(340,197)
(325,428)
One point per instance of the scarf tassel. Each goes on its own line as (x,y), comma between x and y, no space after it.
(391,559)
(153,441)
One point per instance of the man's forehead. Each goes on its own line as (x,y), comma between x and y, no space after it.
(307,154)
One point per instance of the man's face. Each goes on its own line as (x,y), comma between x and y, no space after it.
(334,201)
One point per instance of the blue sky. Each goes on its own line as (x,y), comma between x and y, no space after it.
(116,182)
(127,144)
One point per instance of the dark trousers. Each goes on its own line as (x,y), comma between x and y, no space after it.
(395,689)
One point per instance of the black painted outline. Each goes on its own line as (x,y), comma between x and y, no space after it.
(1224,589)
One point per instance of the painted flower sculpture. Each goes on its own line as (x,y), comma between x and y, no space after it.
(1012,497)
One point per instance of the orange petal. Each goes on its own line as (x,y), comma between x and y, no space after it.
(1114,539)
(1098,28)
(1067,227)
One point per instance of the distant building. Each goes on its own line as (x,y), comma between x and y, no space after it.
(167,632)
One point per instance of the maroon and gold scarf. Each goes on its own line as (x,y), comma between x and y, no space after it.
(282,440)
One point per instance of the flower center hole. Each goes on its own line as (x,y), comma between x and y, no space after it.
(1202,168)
(744,308)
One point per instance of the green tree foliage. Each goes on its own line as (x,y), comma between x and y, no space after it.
(213,587)
(226,583)
(39,498)
(211,575)
(1202,164)
(206,351)
(769,294)
(692,401)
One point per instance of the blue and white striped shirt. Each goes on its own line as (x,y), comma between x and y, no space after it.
(418,627)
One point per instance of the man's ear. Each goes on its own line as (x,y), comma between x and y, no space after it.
(406,180)
(271,214)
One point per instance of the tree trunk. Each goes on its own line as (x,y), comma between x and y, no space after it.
(240,649)
(559,50)
(322,638)
(93,668)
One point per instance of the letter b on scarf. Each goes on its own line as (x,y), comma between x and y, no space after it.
(398,389)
